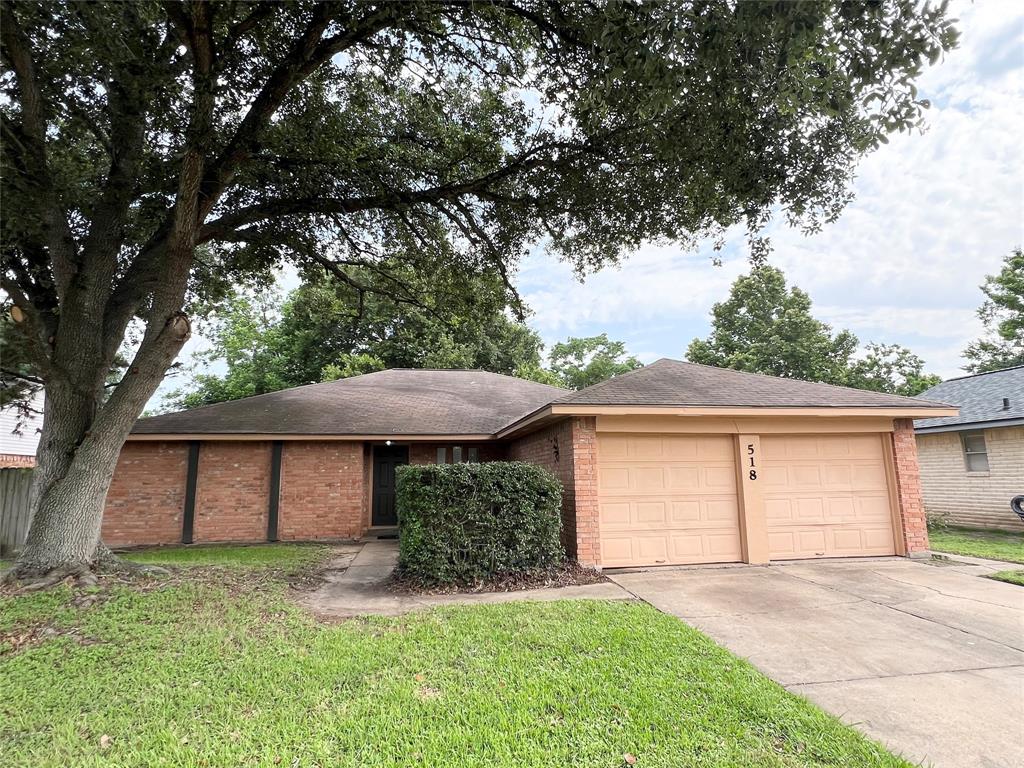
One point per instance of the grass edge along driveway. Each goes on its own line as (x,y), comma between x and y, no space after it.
(216,666)
(994,545)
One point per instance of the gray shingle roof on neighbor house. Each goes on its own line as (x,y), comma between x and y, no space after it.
(392,402)
(675,383)
(980,398)
(462,402)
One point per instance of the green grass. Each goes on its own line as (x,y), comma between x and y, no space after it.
(1010,577)
(995,545)
(285,556)
(223,673)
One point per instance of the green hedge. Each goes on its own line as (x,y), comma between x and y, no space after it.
(461,523)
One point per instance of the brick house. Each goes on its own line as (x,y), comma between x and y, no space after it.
(673,463)
(972,464)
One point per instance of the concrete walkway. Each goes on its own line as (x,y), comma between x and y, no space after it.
(927,659)
(355,577)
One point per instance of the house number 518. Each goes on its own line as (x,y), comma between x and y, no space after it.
(752,473)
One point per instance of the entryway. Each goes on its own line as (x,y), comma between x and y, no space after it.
(385,459)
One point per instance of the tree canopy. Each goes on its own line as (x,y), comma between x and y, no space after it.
(764,326)
(1002,312)
(156,153)
(313,336)
(581,362)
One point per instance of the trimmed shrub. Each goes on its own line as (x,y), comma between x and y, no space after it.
(463,523)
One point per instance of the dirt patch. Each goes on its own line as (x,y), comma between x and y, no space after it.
(569,575)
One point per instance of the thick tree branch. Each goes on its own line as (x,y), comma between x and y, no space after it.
(17,50)
(307,54)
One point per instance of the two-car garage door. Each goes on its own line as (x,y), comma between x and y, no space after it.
(673,499)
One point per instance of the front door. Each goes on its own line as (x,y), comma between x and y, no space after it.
(385,459)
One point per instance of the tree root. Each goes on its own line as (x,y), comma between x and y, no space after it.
(27,578)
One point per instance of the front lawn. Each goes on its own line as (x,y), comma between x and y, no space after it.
(219,668)
(284,556)
(1010,577)
(995,545)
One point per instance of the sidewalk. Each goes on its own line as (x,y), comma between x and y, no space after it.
(354,587)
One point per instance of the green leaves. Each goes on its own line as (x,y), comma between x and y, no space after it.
(462,523)
(1003,315)
(580,362)
(766,327)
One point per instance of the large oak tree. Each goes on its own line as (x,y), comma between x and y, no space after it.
(153,152)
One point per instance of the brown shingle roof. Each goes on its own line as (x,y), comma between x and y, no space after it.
(397,401)
(460,402)
(675,383)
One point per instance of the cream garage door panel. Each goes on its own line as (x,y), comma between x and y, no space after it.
(667,499)
(825,496)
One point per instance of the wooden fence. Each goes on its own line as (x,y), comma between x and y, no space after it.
(14,508)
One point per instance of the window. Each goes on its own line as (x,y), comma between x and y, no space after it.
(456,454)
(474,454)
(975,453)
(442,455)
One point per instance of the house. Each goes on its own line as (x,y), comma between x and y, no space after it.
(19,434)
(673,463)
(973,464)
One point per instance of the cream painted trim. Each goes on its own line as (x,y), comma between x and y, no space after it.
(763,425)
(753,518)
(318,438)
(524,422)
(894,498)
(762,411)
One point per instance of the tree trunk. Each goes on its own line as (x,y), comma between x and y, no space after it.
(78,451)
(69,489)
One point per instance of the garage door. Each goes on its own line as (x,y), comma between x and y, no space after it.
(667,499)
(826,496)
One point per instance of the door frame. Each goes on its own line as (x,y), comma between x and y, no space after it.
(372,476)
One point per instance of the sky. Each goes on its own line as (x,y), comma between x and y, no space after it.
(934,213)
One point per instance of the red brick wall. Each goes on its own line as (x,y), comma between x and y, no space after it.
(568,449)
(908,487)
(426,453)
(232,491)
(323,492)
(147,494)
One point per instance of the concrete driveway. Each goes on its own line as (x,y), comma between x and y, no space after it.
(929,660)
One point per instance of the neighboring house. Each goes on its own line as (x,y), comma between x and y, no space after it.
(973,464)
(19,434)
(673,463)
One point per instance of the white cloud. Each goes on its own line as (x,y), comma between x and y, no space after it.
(934,213)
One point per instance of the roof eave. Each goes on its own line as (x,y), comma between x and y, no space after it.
(966,426)
(555,411)
(311,437)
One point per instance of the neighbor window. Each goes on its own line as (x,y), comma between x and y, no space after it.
(442,455)
(474,454)
(975,453)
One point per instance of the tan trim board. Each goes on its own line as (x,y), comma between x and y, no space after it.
(526,421)
(317,438)
(761,411)
(762,425)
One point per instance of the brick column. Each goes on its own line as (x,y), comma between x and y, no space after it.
(584,465)
(913,524)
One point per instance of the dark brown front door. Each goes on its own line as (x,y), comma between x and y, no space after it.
(385,459)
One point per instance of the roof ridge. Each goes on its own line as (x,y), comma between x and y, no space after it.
(981,373)
(805,381)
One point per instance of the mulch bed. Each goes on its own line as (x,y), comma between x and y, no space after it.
(568,575)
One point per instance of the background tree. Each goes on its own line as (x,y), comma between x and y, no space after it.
(767,327)
(314,336)
(890,368)
(401,138)
(581,362)
(1003,315)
